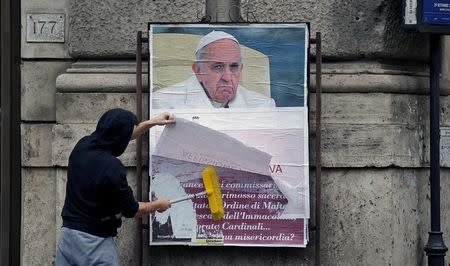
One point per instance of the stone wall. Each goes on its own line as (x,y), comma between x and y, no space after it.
(375,135)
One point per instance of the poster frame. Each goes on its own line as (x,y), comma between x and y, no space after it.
(307,69)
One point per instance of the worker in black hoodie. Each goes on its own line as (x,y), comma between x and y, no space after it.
(97,192)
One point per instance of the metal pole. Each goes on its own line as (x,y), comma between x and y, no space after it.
(318,143)
(10,138)
(435,248)
(139,140)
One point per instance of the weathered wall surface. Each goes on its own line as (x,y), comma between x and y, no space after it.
(108,28)
(375,136)
(350,28)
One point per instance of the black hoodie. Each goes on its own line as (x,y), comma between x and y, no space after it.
(97,192)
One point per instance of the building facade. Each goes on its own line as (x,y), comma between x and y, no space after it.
(375,125)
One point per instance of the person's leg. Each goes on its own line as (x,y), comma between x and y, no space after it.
(80,248)
(105,253)
(63,248)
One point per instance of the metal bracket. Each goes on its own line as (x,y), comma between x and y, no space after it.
(139,41)
(318,140)
(317,41)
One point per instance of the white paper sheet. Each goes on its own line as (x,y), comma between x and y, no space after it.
(188,141)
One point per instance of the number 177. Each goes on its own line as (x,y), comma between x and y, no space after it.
(40,24)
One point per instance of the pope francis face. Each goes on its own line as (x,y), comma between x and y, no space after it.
(219,69)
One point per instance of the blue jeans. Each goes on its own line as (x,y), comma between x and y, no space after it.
(80,248)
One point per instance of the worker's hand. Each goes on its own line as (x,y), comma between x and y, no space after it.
(161,204)
(162,119)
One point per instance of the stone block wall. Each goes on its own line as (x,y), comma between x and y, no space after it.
(375,127)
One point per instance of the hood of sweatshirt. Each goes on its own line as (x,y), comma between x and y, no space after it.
(113,132)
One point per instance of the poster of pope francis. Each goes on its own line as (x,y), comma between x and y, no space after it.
(238,94)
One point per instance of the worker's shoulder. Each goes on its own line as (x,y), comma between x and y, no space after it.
(112,165)
(114,172)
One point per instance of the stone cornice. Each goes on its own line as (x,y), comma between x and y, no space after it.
(346,77)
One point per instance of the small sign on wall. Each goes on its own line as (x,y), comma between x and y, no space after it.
(445,146)
(410,10)
(45,27)
(427,16)
(436,12)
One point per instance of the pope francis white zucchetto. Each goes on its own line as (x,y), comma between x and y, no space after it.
(212,37)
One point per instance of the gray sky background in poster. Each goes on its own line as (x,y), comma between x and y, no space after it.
(285,48)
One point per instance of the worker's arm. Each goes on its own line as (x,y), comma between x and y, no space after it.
(159,120)
(159,205)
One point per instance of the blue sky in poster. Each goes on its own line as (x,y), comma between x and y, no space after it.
(285,47)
